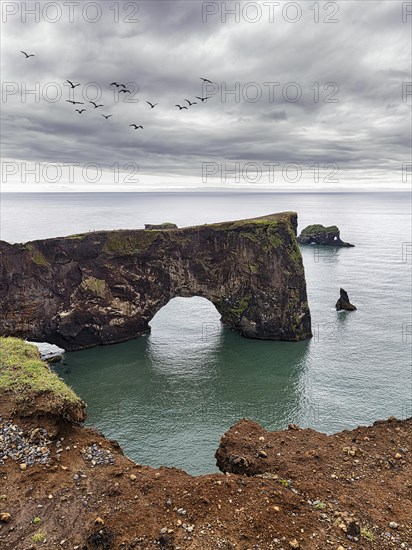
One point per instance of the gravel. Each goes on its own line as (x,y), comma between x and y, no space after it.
(25,448)
(98,456)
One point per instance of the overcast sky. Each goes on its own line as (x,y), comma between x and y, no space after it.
(318,100)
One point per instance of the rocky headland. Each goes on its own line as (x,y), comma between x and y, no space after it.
(66,486)
(105,287)
(321,235)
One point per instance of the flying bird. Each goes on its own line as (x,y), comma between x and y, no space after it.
(115,84)
(135,126)
(206,80)
(95,105)
(107,116)
(203,99)
(72,85)
(74,102)
(125,91)
(152,105)
(190,104)
(121,85)
(80,112)
(28,55)
(180,107)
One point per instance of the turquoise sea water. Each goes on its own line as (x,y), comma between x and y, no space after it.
(169,396)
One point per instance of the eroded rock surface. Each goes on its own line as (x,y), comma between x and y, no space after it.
(105,287)
(319,234)
(344,303)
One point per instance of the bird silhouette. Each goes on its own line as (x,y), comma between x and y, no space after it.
(203,99)
(125,91)
(95,105)
(28,55)
(80,111)
(206,80)
(74,102)
(152,105)
(107,116)
(190,103)
(180,107)
(115,84)
(121,85)
(135,126)
(73,86)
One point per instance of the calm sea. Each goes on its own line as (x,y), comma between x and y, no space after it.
(168,397)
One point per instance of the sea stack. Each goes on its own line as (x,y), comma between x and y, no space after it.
(319,234)
(343,303)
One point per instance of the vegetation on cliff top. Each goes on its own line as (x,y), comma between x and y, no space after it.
(318,229)
(129,242)
(25,377)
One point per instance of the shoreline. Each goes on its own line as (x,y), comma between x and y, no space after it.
(287,489)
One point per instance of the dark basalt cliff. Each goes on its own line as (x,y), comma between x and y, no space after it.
(105,287)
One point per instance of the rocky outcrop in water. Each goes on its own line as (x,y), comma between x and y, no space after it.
(344,303)
(105,287)
(319,234)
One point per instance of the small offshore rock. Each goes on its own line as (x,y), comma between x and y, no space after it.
(321,235)
(344,303)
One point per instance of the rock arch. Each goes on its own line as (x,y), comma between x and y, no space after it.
(105,287)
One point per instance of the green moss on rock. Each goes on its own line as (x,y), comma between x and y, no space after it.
(124,242)
(97,286)
(36,256)
(318,229)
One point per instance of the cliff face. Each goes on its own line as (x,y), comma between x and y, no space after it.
(105,287)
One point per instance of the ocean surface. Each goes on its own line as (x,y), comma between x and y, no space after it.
(169,396)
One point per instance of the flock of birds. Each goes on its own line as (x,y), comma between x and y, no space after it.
(123,89)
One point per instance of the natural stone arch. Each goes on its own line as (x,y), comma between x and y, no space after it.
(105,287)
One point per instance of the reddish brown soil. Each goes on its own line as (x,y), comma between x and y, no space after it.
(107,509)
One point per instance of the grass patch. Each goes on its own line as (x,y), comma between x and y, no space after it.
(367,533)
(38,537)
(124,242)
(285,482)
(25,375)
(97,286)
(36,255)
(36,520)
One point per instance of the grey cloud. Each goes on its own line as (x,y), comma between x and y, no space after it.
(168,51)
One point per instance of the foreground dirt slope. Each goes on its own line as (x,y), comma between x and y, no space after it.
(322,493)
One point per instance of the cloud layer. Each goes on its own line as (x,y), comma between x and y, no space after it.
(292,90)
